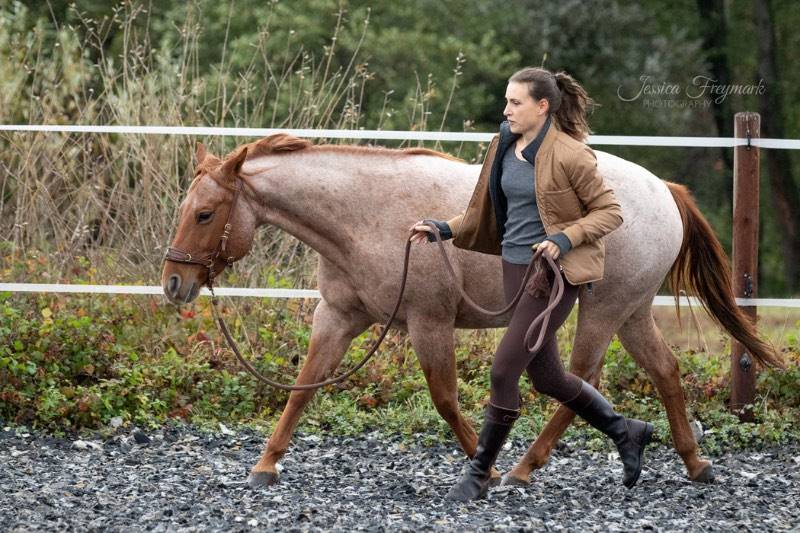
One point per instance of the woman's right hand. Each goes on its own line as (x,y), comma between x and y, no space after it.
(420,232)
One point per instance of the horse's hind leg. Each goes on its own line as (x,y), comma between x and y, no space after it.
(331,334)
(642,339)
(586,362)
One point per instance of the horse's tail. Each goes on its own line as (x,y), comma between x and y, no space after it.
(702,268)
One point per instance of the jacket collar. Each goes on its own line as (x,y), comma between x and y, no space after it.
(545,137)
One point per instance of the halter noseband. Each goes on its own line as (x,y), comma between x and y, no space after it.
(177,255)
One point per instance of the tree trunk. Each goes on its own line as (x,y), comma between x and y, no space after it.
(785,195)
(715,32)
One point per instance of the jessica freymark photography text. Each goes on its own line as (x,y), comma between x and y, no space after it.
(700,93)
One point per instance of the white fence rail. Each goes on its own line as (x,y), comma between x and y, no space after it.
(156,290)
(617,140)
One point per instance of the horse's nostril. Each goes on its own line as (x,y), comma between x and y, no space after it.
(173,284)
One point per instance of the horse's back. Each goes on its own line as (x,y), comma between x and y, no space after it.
(638,254)
(646,244)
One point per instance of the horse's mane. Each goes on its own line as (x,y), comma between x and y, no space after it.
(283,142)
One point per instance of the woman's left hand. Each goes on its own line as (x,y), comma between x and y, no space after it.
(548,248)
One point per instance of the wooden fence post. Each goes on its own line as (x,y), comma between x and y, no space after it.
(745,256)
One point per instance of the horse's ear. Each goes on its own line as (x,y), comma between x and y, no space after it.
(232,166)
(200,153)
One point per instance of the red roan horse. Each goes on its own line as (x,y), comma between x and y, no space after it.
(354,205)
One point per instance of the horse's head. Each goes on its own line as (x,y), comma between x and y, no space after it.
(215,227)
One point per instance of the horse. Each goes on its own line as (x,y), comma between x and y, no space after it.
(354,204)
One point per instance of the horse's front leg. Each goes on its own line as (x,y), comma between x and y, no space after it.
(332,331)
(434,344)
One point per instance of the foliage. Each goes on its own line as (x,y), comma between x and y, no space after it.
(422,65)
(74,362)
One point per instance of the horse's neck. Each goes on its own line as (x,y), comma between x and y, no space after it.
(324,198)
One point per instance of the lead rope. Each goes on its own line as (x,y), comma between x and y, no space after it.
(544,317)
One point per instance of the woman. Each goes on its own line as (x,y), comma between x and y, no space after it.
(539,188)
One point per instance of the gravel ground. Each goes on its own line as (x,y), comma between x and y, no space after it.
(180,479)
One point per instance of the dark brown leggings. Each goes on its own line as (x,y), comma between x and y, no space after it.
(544,367)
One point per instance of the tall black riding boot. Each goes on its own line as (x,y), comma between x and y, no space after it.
(630,435)
(475,482)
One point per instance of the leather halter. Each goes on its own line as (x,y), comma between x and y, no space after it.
(177,255)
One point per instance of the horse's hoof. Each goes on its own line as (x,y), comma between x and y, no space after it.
(259,480)
(706,475)
(494,480)
(513,481)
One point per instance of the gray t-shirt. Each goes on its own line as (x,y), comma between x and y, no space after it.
(524,227)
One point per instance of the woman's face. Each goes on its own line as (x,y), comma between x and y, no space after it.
(524,115)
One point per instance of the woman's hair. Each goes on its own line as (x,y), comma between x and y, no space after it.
(569,102)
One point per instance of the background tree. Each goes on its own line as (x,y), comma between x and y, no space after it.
(784,189)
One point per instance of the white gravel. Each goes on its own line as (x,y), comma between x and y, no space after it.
(180,479)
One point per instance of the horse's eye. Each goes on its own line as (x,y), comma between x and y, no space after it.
(204,217)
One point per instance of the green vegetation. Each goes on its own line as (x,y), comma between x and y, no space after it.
(74,362)
(101,208)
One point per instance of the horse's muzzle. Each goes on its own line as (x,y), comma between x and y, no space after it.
(172,290)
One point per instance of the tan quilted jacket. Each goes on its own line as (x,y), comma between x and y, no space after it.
(571,196)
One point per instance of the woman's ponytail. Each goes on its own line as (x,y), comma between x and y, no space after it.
(575,104)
